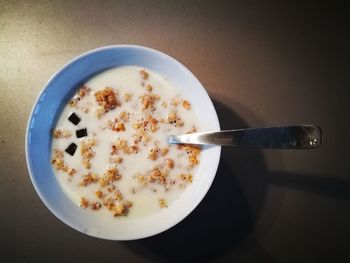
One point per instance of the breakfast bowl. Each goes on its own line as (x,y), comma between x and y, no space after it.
(44,117)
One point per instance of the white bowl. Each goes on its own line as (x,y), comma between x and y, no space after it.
(47,108)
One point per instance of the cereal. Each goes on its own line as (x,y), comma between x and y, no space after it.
(193,152)
(175,119)
(84,202)
(96,206)
(144,74)
(186,177)
(115,125)
(58,164)
(148,101)
(122,145)
(116,159)
(148,123)
(119,128)
(61,133)
(109,203)
(107,99)
(124,116)
(99,193)
(112,174)
(71,171)
(118,196)
(169,163)
(158,176)
(162,203)
(119,209)
(79,95)
(87,152)
(88,179)
(153,154)
(164,151)
(186,105)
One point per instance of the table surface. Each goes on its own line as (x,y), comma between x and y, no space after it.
(262,64)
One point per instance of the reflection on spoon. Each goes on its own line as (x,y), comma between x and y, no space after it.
(281,137)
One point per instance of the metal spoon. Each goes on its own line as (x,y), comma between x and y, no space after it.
(282,137)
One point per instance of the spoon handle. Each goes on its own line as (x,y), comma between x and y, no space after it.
(282,137)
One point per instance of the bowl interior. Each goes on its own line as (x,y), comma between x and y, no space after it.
(55,95)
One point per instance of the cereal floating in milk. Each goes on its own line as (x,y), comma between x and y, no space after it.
(109,146)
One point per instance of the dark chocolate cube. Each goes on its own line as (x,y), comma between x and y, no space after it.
(71,149)
(73,118)
(81,133)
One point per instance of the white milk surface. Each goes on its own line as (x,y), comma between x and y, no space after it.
(145,199)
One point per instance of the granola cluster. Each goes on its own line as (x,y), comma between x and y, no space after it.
(107,100)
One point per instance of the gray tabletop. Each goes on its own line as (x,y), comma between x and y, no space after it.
(262,64)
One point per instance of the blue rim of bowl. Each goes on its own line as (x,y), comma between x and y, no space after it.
(52,78)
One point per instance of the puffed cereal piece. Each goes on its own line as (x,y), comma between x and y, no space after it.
(186,105)
(169,163)
(84,203)
(96,205)
(119,209)
(80,94)
(98,193)
(115,125)
(186,177)
(83,91)
(144,74)
(71,171)
(162,203)
(109,203)
(118,196)
(153,154)
(124,116)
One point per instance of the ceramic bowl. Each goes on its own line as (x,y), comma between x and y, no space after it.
(55,95)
